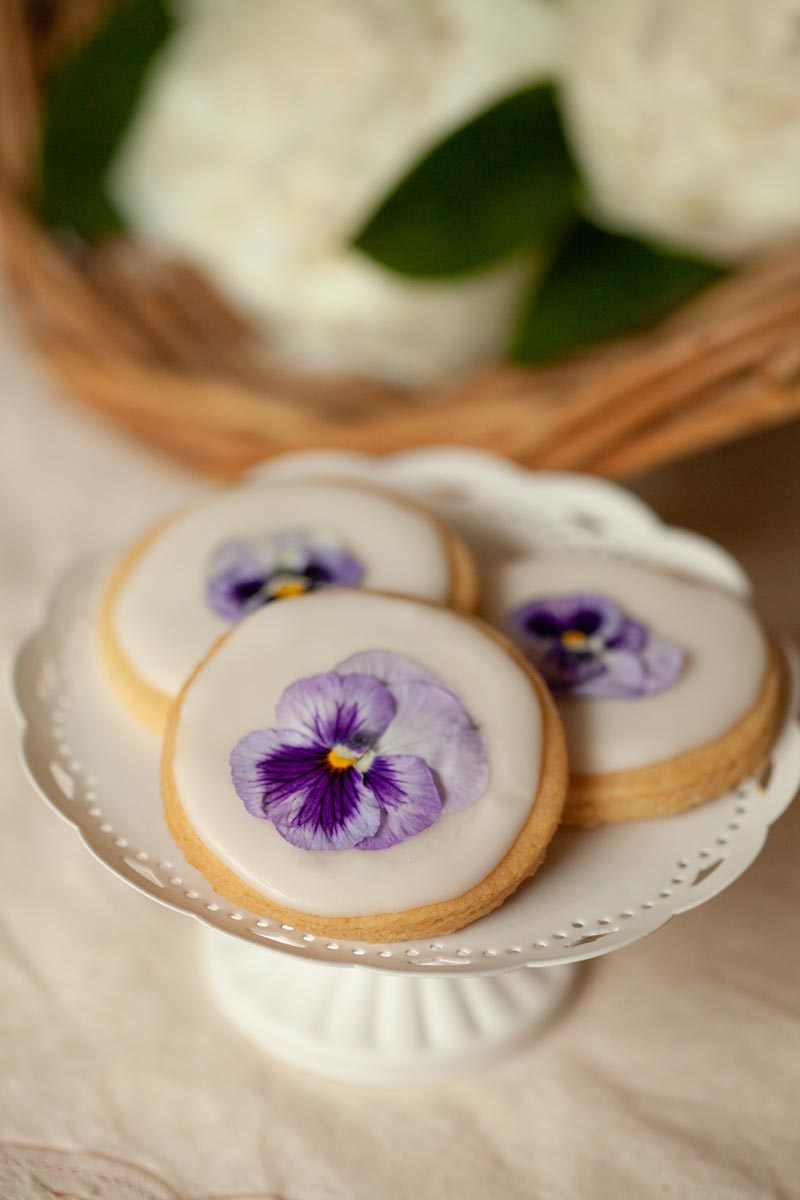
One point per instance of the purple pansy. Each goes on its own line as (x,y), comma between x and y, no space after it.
(244,574)
(585,645)
(363,756)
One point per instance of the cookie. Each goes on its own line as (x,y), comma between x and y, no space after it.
(195,573)
(362,765)
(669,689)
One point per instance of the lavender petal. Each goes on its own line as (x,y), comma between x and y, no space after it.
(663,663)
(432,723)
(629,675)
(353,710)
(622,677)
(389,668)
(236,576)
(255,786)
(243,554)
(632,636)
(330,564)
(405,789)
(284,776)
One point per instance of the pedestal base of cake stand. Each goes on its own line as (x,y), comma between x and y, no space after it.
(371,1027)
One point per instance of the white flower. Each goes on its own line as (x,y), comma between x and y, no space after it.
(272,128)
(686,117)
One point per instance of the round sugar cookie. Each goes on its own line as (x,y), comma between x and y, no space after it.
(362,765)
(669,689)
(190,577)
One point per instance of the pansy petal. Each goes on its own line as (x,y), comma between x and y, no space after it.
(663,662)
(293,754)
(333,810)
(631,675)
(389,668)
(432,723)
(353,710)
(233,555)
(408,797)
(561,669)
(235,580)
(234,594)
(622,678)
(631,636)
(320,561)
(547,617)
(328,564)
(284,776)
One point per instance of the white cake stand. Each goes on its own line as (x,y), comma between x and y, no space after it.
(420,1010)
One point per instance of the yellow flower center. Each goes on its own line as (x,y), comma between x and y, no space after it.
(290,587)
(339,762)
(573,639)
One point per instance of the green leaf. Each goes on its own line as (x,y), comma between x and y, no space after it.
(602,285)
(502,181)
(90,100)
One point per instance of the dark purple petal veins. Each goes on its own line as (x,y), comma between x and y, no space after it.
(252,751)
(566,671)
(288,778)
(408,797)
(350,709)
(242,591)
(550,617)
(330,809)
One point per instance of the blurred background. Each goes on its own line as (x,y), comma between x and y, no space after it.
(567,228)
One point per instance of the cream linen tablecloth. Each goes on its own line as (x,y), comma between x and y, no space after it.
(675,1074)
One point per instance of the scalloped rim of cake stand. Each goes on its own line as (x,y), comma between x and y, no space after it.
(60,694)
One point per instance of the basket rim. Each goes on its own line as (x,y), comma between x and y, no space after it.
(121,332)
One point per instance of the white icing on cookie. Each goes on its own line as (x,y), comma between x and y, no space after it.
(162,619)
(725,664)
(237,691)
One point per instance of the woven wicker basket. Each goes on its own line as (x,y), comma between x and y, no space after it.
(151,345)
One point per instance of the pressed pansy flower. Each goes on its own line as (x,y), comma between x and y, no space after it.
(244,574)
(585,645)
(362,756)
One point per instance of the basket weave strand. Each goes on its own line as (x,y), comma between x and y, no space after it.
(150,344)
